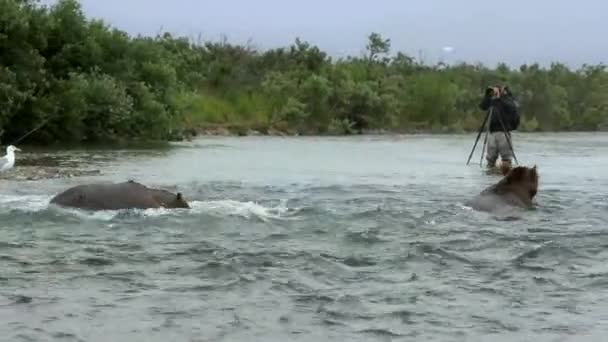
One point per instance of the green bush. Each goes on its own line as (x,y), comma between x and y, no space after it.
(90,82)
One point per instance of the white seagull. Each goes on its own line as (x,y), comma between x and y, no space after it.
(7,162)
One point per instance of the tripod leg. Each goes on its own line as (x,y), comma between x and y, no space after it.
(478,135)
(504,130)
(511,147)
(485,141)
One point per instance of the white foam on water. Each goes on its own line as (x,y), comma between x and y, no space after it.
(221,208)
(100,215)
(29,203)
(247,209)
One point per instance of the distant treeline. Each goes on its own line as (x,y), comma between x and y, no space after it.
(94,83)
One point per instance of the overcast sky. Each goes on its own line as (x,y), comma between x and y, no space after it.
(513,31)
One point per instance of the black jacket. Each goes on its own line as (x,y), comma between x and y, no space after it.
(504,107)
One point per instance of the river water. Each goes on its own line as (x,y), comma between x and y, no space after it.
(312,239)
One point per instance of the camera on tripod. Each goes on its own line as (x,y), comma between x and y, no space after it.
(491,90)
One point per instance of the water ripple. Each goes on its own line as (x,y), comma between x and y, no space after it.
(376,251)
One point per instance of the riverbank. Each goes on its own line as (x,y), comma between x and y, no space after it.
(34,166)
(31,173)
(244,130)
(253,130)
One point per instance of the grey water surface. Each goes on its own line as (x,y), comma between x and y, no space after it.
(313,239)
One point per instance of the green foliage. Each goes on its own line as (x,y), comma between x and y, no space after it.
(530,125)
(340,127)
(293,113)
(90,83)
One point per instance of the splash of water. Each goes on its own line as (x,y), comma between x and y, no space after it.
(221,208)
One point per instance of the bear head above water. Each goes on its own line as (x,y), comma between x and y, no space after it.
(520,180)
(167,199)
(517,188)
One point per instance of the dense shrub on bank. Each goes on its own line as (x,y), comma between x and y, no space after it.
(93,83)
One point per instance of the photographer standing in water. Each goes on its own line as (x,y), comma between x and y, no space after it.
(504,107)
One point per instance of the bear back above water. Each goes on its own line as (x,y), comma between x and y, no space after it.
(518,188)
(115,196)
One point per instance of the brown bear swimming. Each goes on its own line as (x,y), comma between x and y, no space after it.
(126,195)
(518,188)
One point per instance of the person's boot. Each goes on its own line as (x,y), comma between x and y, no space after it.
(491,165)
